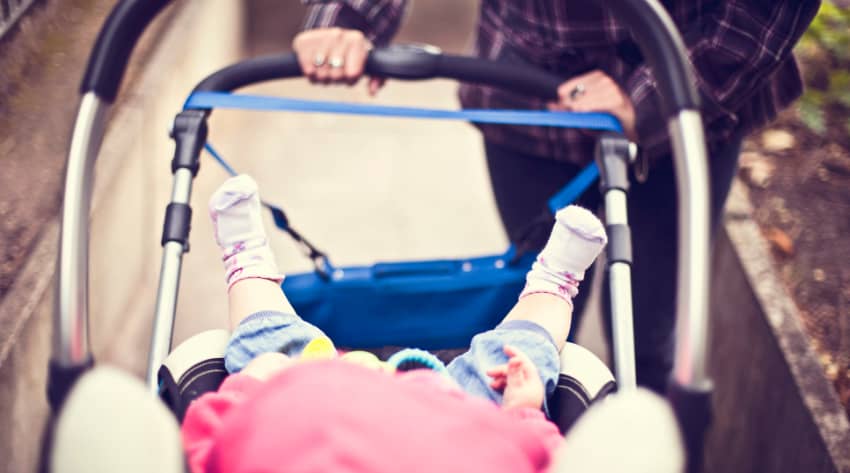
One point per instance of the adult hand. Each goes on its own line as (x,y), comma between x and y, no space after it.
(597,92)
(334,55)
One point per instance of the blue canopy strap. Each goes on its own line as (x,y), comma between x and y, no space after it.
(564,197)
(588,121)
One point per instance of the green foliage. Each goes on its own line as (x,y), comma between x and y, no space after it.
(825,52)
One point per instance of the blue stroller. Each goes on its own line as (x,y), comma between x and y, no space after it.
(392,313)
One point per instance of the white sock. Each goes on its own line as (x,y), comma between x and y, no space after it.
(577,239)
(236,215)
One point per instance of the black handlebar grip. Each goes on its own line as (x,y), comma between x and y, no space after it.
(418,62)
(115,43)
(251,71)
(397,62)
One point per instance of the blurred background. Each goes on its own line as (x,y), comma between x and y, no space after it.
(364,189)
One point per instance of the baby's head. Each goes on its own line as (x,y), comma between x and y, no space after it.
(265,366)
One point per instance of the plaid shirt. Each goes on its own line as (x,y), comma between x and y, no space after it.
(741,51)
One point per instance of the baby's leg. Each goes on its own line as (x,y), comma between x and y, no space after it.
(576,240)
(540,321)
(253,280)
(261,318)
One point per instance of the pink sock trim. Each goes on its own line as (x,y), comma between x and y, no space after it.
(276,280)
(562,295)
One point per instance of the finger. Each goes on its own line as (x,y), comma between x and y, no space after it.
(498,370)
(322,72)
(517,372)
(320,58)
(576,88)
(512,351)
(515,364)
(565,90)
(304,51)
(375,84)
(355,58)
(323,50)
(305,60)
(602,92)
(498,385)
(499,380)
(599,101)
(336,61)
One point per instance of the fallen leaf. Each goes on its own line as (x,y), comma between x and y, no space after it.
(777,140)
(756,169)
(780,240)
(832,371)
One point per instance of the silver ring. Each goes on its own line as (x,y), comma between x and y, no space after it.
(319,60)
(336,62)
(577,91)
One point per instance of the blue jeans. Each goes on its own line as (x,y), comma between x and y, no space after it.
(287,333)
(523,183)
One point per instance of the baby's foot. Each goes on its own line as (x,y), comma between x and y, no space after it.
(519,381)
(577,239)
(236,215)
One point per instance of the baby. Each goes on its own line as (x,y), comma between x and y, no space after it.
(282,409)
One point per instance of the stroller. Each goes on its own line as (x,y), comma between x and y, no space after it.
(181,375)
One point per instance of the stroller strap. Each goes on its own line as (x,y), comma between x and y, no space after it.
(569,193)
(587,121)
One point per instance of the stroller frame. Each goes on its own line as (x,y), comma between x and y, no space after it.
(690,387)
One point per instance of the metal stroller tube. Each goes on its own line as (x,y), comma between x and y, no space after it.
(71,353)
(71,339)
(690,387)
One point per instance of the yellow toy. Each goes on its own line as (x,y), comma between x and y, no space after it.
(322,348)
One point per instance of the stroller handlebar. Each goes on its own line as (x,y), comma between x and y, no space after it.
(115,42)
(647,20)
(404,61)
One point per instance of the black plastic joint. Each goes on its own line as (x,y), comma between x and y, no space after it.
(619,244)
(407,61)
(612,158)
(189,133)
(60,380)
(178,221)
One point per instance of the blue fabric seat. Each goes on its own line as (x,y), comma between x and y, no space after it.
(428,304)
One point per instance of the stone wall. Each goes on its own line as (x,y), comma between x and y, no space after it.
(190,41)
(774,409)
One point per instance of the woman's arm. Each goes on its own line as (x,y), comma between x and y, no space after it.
(378,20)
(733,53)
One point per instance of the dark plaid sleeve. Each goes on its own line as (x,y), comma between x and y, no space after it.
(377,19)
(741,45)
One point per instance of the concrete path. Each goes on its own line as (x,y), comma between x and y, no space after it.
(363,189)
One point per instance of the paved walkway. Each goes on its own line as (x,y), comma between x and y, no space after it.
(364,189)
